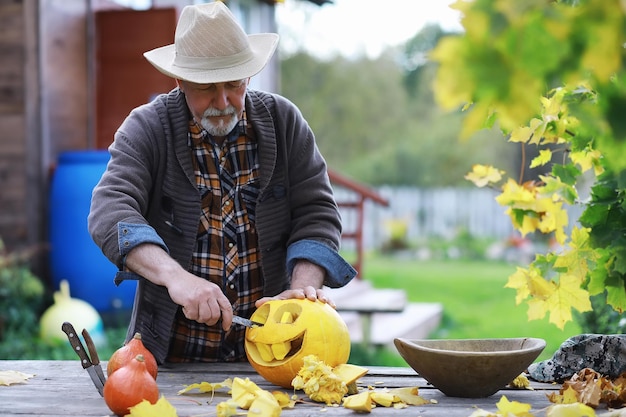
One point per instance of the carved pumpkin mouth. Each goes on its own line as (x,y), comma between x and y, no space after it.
(280,338)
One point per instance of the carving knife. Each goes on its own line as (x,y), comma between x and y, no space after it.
(246,322)
(93,353)
(78,347)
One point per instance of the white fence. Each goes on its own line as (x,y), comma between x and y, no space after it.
(439,212)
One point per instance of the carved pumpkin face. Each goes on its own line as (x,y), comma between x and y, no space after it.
(292,330)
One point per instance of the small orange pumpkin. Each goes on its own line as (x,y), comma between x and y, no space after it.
(128,352)
(130,385)
(293,329)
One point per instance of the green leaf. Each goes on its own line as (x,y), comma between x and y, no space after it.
(566,173)
(616,293)
(594,215)
(598,277)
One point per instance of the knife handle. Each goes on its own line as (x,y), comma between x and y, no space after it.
(76,344)
(91,347)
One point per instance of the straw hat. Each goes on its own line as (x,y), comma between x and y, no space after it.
(211,47)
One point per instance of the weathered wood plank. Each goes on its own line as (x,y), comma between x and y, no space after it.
(63,388)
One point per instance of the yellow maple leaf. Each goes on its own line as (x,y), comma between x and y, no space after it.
(553,219)
(162,408)
(566,295)
(518,281)
(575,260)
(588,159)
(521,134)
(13,377)
(482,175)
(529,283)
(513,408)
(539,287)
(528,134)
(544,157)
(506,408)
(518,196)
(207,386)
(569,396)
(530,222)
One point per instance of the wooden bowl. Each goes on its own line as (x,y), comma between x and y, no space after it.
(470,368)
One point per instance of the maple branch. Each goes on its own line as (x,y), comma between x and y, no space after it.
(523,163)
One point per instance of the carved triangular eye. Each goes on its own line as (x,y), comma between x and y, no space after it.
(288,313)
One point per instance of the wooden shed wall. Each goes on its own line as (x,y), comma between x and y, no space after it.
(19,171)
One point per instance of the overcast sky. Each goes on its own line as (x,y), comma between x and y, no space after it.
(358,27)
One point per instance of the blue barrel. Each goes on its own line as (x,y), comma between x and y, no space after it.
(74,256)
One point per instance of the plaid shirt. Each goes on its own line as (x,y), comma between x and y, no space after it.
(226,251)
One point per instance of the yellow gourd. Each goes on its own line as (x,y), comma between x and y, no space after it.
(80,313)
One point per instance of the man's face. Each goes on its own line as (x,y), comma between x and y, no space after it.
(217,107)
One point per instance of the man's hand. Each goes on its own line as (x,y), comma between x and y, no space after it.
(200,299)
(306,282)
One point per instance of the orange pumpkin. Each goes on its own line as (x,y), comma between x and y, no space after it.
(128,352)
(293,329)
(130,385)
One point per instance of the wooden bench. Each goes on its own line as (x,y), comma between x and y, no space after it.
(376,316)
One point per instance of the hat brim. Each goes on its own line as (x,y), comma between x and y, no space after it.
(262,45)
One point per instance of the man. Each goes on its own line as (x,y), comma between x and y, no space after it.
(216,197)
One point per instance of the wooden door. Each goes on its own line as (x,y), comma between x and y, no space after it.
(124,78)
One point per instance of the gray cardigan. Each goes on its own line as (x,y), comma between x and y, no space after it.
(149,182)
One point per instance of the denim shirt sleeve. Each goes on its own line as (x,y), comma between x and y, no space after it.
(131,235)
(338,271)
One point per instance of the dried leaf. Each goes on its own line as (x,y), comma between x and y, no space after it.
(13,377)
(162,408)
(590,388)
(506,408)
(207,386)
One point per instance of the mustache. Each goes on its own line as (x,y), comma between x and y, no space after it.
(228,111)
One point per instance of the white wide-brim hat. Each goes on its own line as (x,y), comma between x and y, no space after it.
(211,47)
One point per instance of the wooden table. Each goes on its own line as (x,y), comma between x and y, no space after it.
(63,388)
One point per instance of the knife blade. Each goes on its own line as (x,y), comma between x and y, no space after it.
(93,353)
(77,345)
(246,322)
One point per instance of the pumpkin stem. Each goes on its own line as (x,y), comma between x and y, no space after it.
(137,336)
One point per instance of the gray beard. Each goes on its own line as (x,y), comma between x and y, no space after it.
(220,129)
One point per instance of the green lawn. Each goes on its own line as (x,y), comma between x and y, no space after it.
(476,304)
